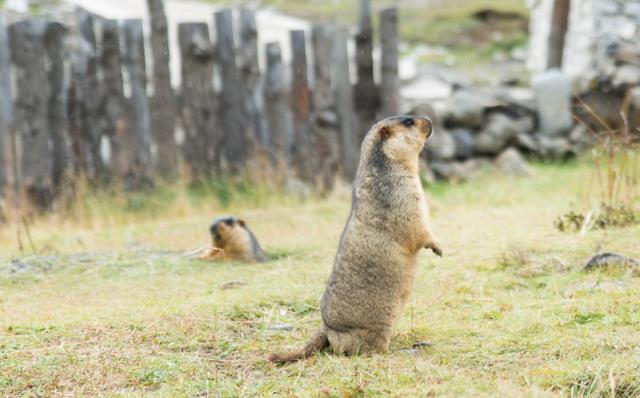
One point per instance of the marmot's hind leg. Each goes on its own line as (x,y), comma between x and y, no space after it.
(357,341)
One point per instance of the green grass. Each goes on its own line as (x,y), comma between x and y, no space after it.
(507,310)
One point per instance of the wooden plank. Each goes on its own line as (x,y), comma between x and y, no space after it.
(163,107)
(301,151)
(325,141)
(113,110)
(236,143)
(366,96)
(321,36)
(8,166)
(390,81)
(341,81)
(277,110)
(199,103)
(54,44)
(135,65)
(250,75)
(559,25)
(31,114)
(85,68)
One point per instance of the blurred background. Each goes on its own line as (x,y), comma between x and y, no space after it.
(129,95)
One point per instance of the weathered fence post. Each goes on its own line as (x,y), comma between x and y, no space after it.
(301,151)
(322,94)
(115,124)
(139,102)
(341,81)
(8,167)
(86,79)
(198,105)
(31,117)
(325,135)
(236,142)
(163,102)
(367,99)
(54,43)
(390,81)
(277,110)
(250,74)
(559,24)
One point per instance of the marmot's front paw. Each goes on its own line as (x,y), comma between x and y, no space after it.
(211,253)
(435,247)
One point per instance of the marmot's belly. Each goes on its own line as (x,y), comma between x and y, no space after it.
(368,292)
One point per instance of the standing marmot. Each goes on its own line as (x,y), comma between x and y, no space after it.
(231,239)
(375,266)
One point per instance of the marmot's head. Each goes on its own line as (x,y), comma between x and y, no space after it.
(223,228)
(401,138)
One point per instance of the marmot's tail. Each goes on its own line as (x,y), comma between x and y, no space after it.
(317,343)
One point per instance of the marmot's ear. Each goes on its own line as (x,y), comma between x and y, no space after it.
(241,222)
(385,133)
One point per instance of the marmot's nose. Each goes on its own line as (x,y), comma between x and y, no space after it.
(425,124)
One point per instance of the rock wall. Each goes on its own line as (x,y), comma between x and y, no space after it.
(594,27)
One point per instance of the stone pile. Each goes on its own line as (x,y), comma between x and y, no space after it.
(481,128)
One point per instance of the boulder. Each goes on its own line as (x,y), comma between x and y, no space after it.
(626,75)
(440,146)
(526,142)
(463,140)
(499,132)
(605,260)
(466,107)
(460,171)
(554,148)
(426,174)
(580,139)
(511,162)
(553,100)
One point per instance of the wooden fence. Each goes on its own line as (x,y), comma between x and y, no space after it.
(62,105)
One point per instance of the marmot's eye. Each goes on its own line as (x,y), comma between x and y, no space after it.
(407,122)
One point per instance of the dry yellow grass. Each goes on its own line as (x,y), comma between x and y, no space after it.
(507,311)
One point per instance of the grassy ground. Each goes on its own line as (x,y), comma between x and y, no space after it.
(507,311)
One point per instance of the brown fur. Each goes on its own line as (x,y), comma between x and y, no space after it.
(232,240)
(375,266)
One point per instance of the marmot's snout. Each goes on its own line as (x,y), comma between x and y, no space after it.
(425,125)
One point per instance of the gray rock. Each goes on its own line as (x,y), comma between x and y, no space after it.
(467,107)
(460,171)
(510,161)
(440,146)
(554,148)
(281,327)
(626,75)
(499,132)
(426,174)
(553,100)
(580,139)
(463,140)
(525,141)
(605,260)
